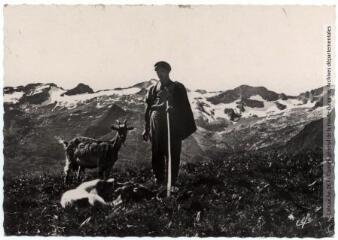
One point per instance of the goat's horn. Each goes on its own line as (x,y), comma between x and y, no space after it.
(125,121)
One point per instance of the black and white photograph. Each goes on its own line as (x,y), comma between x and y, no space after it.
(168,120)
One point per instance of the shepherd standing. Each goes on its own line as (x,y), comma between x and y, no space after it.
(182,123)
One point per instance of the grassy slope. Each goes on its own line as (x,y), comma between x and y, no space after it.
(240,195)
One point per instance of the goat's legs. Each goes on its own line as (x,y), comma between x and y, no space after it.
(101,172)
(105,175)
(66,172)
(66,178)
(107,171)
(79,171)
(104,172)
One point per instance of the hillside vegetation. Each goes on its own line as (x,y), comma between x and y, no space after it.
(247,194)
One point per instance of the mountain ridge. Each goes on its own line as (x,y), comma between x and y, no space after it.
(147,83)
(36,113)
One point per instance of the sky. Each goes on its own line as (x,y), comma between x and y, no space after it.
(208,47)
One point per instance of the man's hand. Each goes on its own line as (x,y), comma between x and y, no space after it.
(157,106)
(169,109)
(145,135)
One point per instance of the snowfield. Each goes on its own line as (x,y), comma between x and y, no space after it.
(73,100)
(38,90)
(212,112)
(13,97)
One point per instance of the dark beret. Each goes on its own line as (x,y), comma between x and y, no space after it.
(162,64)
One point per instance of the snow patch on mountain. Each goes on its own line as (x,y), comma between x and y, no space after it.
(257,98)
(38,90)
(46,94)
(206,110)
(71,101)
(122,91)
(13,97)
(202,108)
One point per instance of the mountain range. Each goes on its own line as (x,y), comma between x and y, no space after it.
(245,118)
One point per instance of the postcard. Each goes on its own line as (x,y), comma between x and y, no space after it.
(169,120)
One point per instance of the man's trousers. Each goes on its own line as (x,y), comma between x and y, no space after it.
(159,141)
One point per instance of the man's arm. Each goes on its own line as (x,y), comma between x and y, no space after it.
(147,118)
(147,115)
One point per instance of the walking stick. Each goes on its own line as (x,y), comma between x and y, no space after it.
(169,152)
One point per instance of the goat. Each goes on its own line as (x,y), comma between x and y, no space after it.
(84,152)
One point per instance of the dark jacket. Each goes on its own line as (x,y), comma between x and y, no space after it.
(182,119)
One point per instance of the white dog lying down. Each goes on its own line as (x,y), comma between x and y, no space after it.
(102,193)
(88,192)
